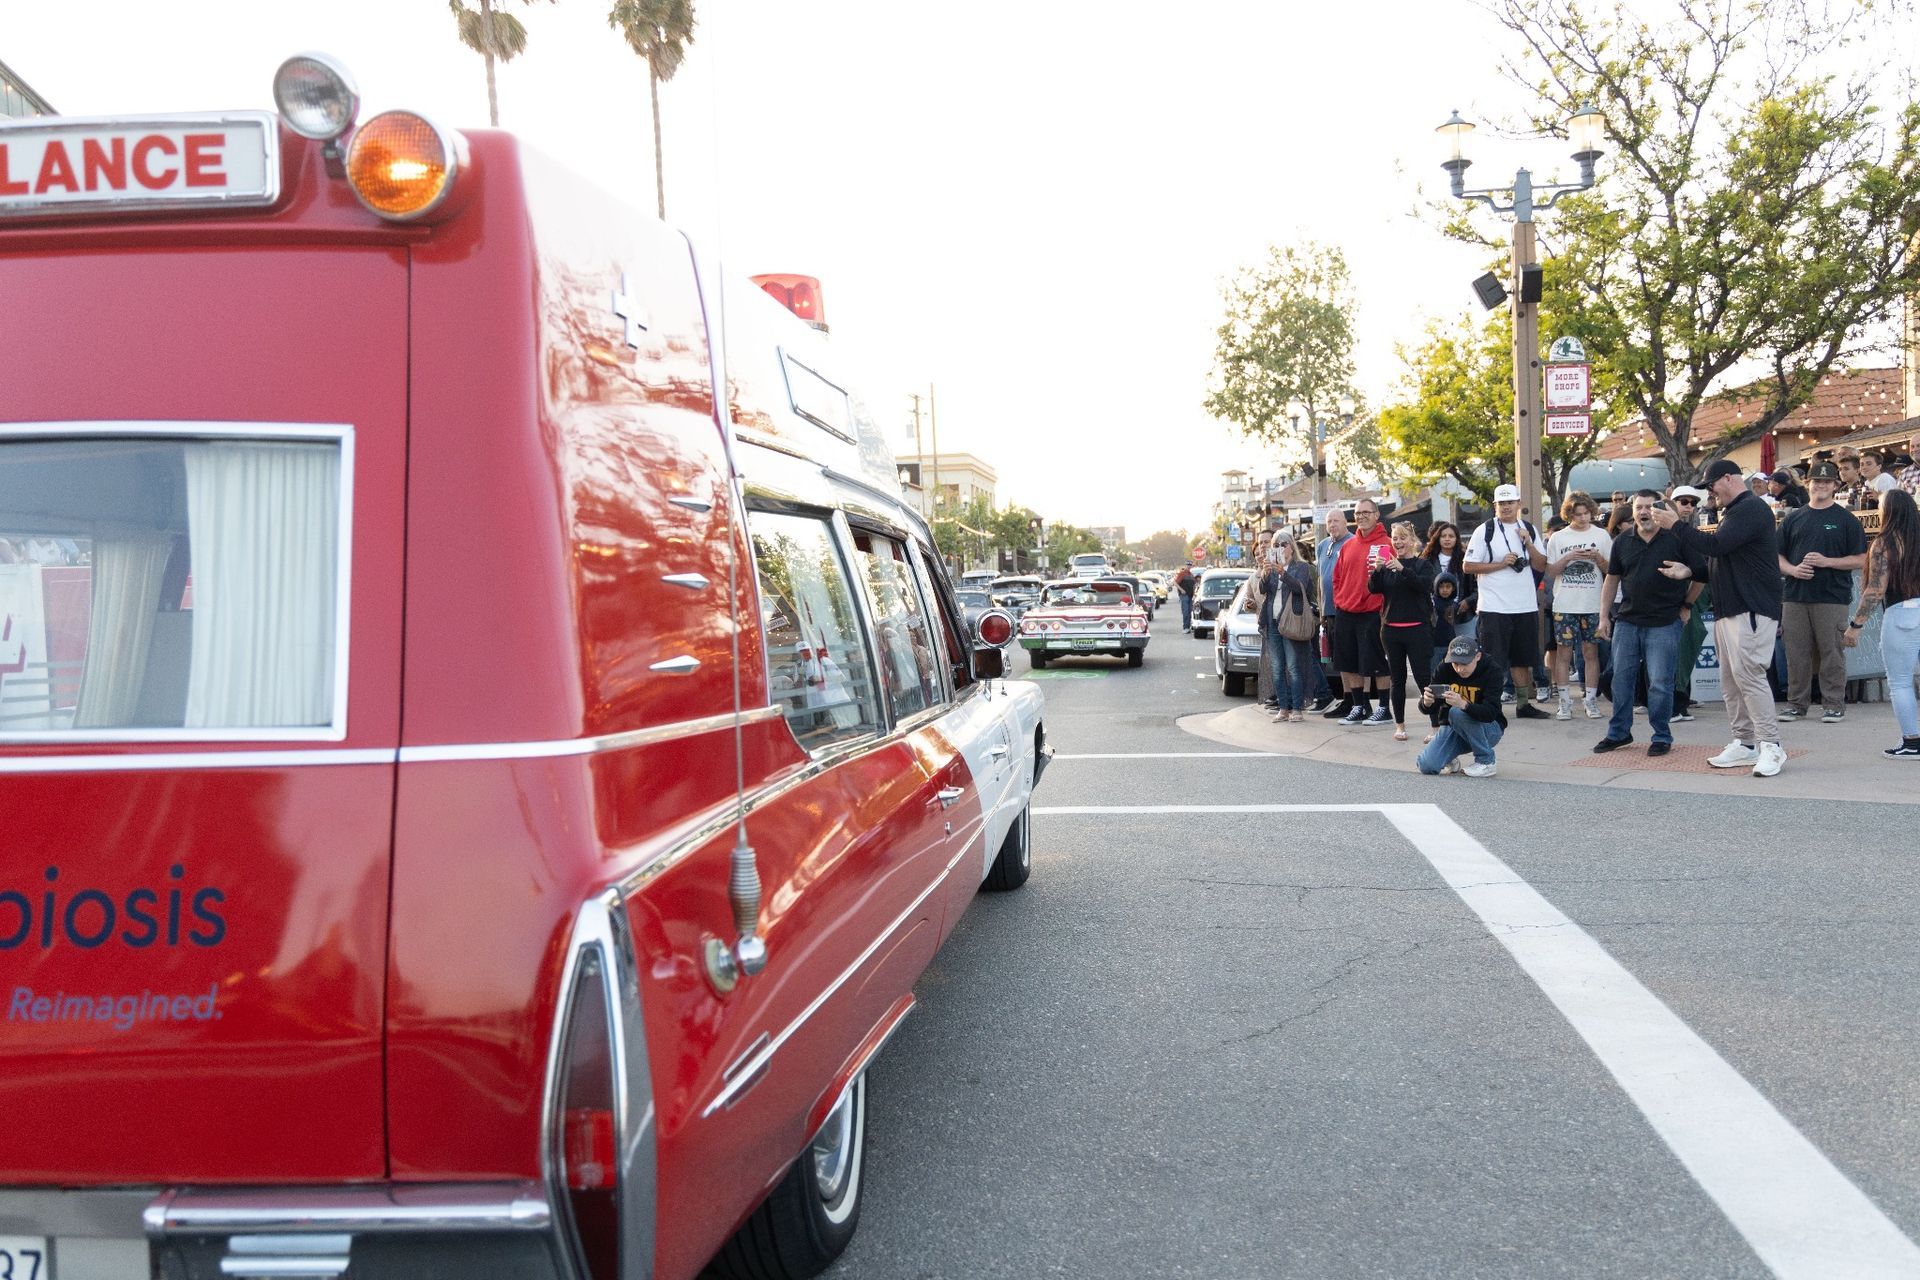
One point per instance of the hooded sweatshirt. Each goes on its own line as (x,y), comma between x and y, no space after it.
(1350,572)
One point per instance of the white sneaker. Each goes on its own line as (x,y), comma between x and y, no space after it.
(1451,766)
(1737,754)
(1771,757)
(1593,709)
(1479,770)
(1565,712)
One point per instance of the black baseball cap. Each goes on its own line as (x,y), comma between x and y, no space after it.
(1463,649)
(1825,471)
(1718,468)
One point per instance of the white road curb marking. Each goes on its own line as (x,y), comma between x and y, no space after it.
(1170,755)
(1800,1214)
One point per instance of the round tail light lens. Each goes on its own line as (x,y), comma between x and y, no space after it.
(996,628)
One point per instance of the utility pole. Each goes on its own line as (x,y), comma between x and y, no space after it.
(919,454)
(933,422)
(1526,364)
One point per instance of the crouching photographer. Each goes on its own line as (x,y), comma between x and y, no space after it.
(1464,705)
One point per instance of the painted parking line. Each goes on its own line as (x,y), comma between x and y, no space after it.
(1799,1213)
(1168,755)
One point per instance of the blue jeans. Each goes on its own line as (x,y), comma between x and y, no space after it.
(1317,686)
(1186,611)
(1900,647)
(1461,734)
(1288,668)
(1659,649)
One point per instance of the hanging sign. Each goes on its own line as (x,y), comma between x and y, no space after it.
(1568,350)
(1568,386)
(1570,424)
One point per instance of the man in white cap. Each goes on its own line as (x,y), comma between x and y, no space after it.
(1505,556)
(1687,504)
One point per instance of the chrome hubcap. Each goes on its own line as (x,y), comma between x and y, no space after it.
(833,1149)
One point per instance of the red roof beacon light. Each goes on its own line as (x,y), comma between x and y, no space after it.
(798,294)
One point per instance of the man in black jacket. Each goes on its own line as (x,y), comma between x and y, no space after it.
(1468,715)
(1661,580)
(1746,596)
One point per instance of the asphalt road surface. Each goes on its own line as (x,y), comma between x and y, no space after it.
(1433,1027)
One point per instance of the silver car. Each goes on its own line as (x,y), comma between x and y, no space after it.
(1236,646)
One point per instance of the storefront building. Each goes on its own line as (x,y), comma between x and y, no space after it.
(16,99)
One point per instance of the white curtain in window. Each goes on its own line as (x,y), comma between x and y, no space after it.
(263,520)
(127,569)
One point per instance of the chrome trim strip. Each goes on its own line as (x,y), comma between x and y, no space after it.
(152,760)
(750,1069)
(396,1207)
(162,760)
(692,504)
(684,664)
(691,581)
(340,434)
(647,737)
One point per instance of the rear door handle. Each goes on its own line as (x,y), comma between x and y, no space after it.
(999,752)
(947,795)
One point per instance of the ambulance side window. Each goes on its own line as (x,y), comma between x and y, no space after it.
(955,645)
(909,664)
(816,656)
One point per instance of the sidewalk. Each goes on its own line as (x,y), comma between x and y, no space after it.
(1824,761)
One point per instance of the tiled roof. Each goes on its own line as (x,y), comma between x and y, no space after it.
(1843,402)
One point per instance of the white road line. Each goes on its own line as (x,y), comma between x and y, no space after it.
(1800,1214)
(1169,755)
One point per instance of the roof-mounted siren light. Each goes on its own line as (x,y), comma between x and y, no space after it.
(316,96)
(798,294)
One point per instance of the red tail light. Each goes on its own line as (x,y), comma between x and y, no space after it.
(798,294)
(996,628)
(588,1139)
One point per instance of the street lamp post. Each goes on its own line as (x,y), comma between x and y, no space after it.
(1521,199)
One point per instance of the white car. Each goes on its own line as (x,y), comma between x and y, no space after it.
(1236,646)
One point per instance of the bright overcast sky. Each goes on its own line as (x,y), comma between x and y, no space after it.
(1033,215)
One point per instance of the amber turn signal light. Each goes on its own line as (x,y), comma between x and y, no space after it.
(402,165)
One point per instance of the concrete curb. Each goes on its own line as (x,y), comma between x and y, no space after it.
(1841,761)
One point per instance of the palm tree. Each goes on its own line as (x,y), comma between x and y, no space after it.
(659,31)
(491,34)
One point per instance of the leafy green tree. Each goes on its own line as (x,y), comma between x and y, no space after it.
(494,35)
(1165,549)
(659,31)
(1453,415)
(1756,214)
(1285,346)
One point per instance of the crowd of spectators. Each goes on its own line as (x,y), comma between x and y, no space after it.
(1609,604)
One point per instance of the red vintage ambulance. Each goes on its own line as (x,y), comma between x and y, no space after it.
(487,751)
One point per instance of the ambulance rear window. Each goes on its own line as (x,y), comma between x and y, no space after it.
(162,587)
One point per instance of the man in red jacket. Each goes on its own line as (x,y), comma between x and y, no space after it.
(1357,650)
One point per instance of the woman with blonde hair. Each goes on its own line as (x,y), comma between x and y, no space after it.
(1296,625)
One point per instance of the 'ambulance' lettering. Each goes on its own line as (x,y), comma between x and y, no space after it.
(108,164)
(9,187)
(142,172)
(55,169)
(203,160)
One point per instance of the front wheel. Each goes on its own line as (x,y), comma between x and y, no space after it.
(1015,861)
(808,1219)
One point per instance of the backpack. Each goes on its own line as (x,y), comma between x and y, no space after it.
(1485,534)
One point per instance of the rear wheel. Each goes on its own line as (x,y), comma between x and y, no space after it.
(808,1219)
(1136,656)
(1036,659)
(1233,683)
(1015,861)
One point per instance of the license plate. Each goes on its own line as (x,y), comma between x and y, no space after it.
(1085,644)
(24,1258)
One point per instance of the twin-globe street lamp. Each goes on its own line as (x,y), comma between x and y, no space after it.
(1584,127)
